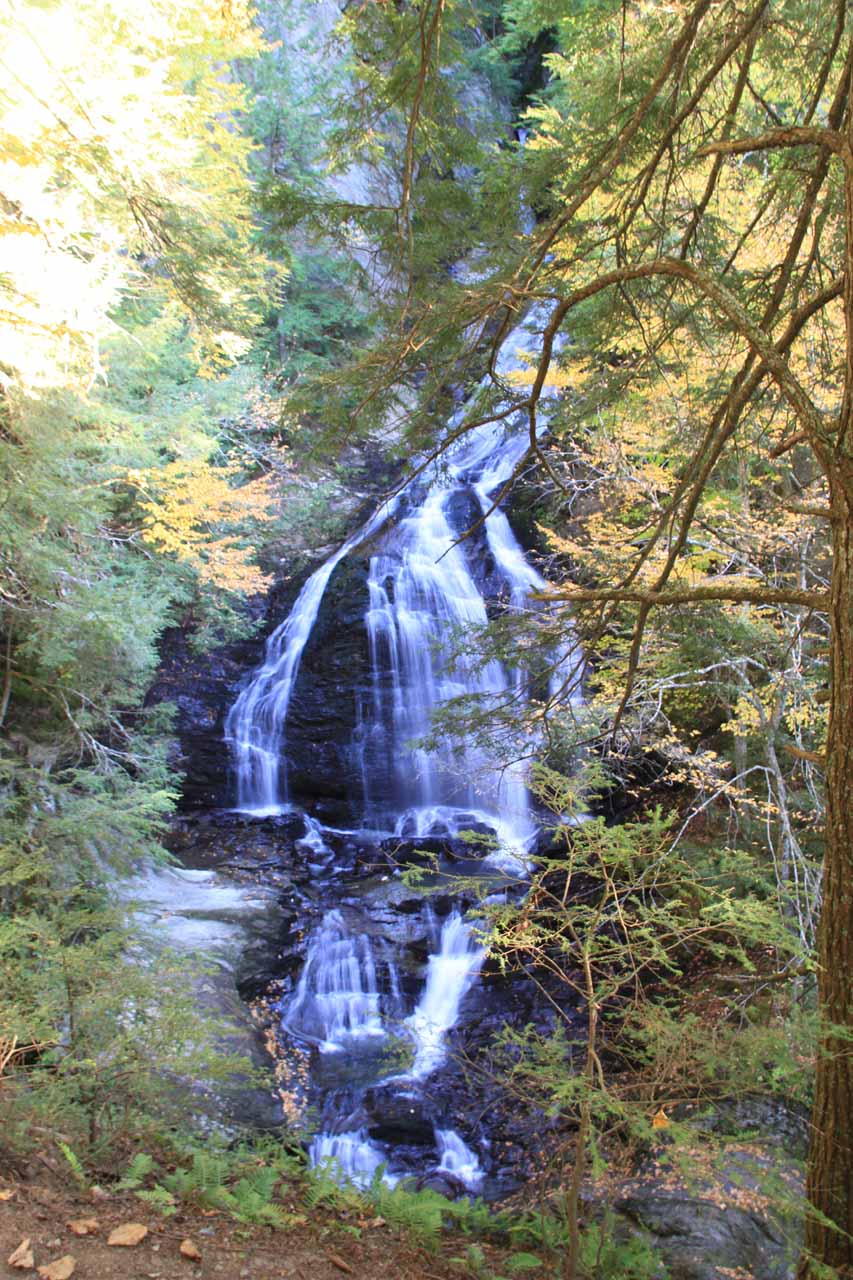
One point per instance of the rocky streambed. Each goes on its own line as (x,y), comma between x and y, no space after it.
(377,1002)
(274,912)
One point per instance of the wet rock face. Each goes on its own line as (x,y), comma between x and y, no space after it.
(201,688)
(334,675)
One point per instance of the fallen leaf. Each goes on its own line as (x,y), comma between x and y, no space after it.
(128,1235)
(338,1262)
(6,1193)
(84,1226)
(22,1257)
(60,1269)
(190,1250)
(660,1120)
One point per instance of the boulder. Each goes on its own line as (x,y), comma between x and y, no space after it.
(740,1217)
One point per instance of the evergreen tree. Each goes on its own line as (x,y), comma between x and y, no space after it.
(690,170)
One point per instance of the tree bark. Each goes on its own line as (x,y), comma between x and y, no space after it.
(830,1169)
(829,1181)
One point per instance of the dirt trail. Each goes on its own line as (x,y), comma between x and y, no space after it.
(325,1247)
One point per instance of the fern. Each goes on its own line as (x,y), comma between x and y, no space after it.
(137,1171)
(159,1199)
(243,1188)
(421,1213)
(78,1173)
(261,1180)
(523,1262)
(325,1187)
(209,1172)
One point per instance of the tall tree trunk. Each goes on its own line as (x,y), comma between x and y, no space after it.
(830,1170)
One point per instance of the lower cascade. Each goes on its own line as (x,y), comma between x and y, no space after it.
(351,1155)
(458,1160)
(450,973)
(379,1002)
(338,998)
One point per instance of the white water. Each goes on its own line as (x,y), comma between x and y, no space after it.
(425,590)
(423,596)
(254,727)
(457,1159)
(353,1154)
(338,998)
(450,974)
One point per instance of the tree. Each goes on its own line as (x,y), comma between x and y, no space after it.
(691,167)
(128,285)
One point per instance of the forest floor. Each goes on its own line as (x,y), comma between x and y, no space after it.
(324,1247)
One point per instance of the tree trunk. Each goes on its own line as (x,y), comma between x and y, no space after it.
(830,1169)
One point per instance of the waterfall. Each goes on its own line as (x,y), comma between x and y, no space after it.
(450,973)
(254,727)
(338,998)
(457,1159)
(428,591)
(425,591)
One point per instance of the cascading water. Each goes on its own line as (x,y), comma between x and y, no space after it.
(457,1159)
(338,998)
(423,595)
(427,587)
(353,1155)
(450,974)
(255,725)
(424,591)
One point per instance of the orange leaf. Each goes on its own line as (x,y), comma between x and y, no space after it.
(190,1250)
(660,1120)
(84,1226)
(60,1269)
(22,1257)
(128,1235)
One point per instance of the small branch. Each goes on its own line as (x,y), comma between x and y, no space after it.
(793,136)
(689,595)
(799,753)
(799,437)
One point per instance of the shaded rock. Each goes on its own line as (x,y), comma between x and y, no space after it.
(398,1117)
(778,1121)
(444,1183)
(743,1215)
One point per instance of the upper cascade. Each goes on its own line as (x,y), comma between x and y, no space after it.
(426,590)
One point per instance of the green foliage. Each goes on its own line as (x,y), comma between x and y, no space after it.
(78,1173)
(609,1254)
(137,1171)
(129,283)
(240,1180)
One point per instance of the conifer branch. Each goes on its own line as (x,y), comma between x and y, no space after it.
(709,592)
(790,136)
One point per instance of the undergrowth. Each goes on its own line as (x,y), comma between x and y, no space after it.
(267,1183)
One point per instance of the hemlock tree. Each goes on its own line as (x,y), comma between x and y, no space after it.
(691,169)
